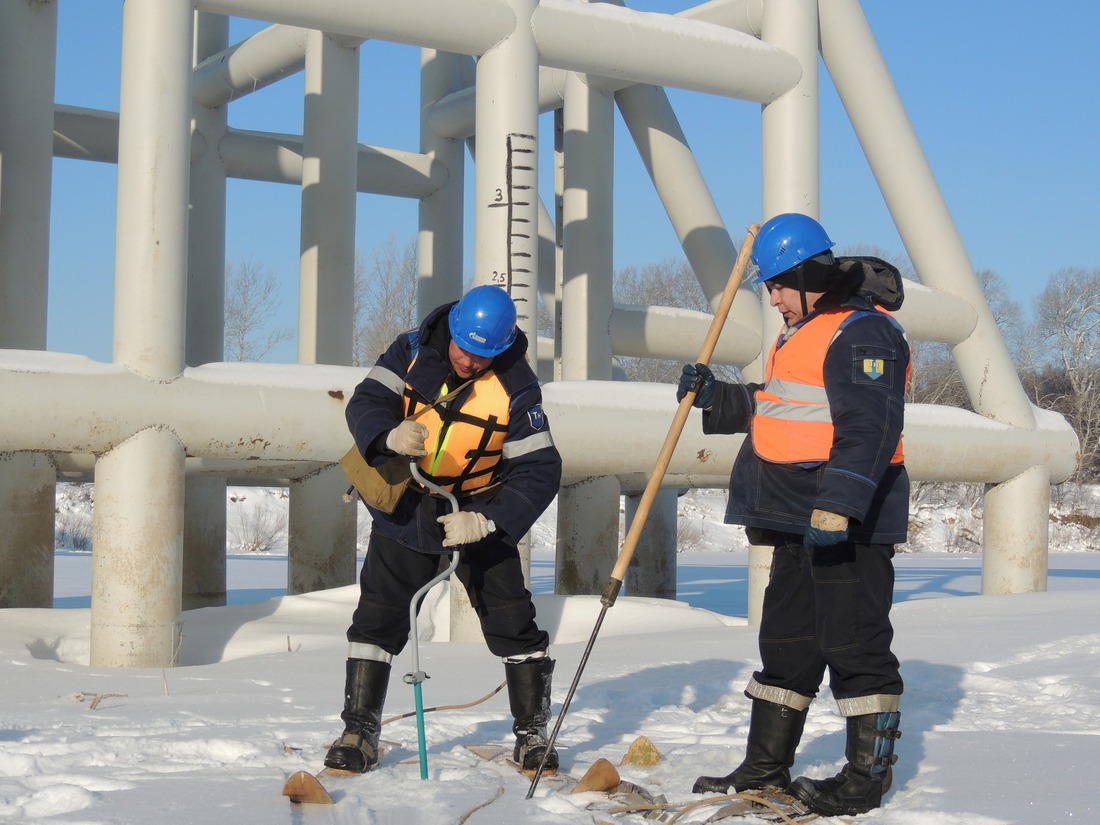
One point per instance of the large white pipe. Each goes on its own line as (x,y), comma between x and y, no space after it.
(296,413)
(266,57)
(469,27)
(137,562)
(789,125)
(678,334)
(85,134)
(28,35)
(587,221)
(91,134)
(154,152)
(622,45)
(452,116)
(441,218)
(930,314)
(616,46)
(506,170)
(329,150)
(380,170)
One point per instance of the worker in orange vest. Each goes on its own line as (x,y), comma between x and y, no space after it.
(821,478)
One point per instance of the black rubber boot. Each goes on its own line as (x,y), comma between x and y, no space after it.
(774,733)
(529,699)
(356,751)
(861,783)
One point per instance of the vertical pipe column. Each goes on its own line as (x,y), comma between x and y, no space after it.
(321,541)
(138,521)
(652,570)
(318,516)
(588,513)
(506,198)
(440,244)
(791,183)
(587,221)
(506,169)
(28,46)
(28,43)
(789,124)
(440,239)
(1016,534)
(583,516)
(154,143)
(204,520)
(137,552)
(791,173)
(27,504)
(548,366)
(552,241)
(330,156)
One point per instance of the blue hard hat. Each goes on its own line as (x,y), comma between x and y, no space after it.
(484,321)
(784,242)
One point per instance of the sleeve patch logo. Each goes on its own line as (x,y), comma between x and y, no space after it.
(536,416)
(874,368)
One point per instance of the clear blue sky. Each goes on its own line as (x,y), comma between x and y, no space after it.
(1001,93)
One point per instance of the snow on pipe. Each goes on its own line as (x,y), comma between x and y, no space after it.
(289,413)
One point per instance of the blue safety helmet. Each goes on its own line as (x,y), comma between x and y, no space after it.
(784,242)
(484,321)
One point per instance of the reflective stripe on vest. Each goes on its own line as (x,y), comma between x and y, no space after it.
(464,445)
(792,423)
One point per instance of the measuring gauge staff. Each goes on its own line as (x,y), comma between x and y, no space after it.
(517,198)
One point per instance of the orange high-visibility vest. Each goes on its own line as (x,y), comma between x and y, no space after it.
(792,423)
(464,445)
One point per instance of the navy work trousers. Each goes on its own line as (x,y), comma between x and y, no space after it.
(829,607)
(493,578)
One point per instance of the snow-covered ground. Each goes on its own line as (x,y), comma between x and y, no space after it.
(1001,714)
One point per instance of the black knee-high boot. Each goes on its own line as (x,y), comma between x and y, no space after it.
(356,751)
(529,699)
(861,783)
(774,733)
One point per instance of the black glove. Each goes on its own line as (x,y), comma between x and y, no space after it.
(697,376)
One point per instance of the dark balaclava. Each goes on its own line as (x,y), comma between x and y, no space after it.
(815,274)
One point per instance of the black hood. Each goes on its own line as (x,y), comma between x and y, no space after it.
(866,276)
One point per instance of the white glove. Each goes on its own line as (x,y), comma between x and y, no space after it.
(464,527)
(407,438)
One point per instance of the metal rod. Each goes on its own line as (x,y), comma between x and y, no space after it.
(615,583)
(417,676)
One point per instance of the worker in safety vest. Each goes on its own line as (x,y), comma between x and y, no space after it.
(459,394)
(820,478)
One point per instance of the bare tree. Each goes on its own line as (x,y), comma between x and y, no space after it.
(1067,319)
(670,283)
(1007,313)
(385,298)
(251,301)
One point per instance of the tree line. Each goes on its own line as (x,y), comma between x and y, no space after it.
(1056,351)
